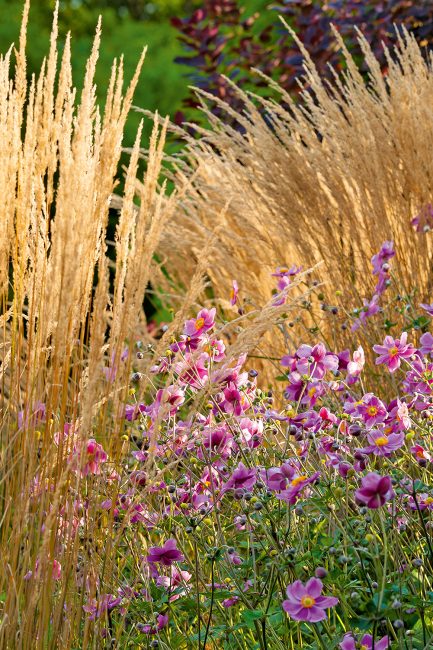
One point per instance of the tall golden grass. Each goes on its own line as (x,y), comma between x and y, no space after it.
(61,323)
(285,195)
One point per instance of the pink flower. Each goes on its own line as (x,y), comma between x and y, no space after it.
(276,478)
(161,622)
(427,308)
(167,401)
(57,570)
(382,444)
(166,554)
(426,341)
(355,367)
(372,410)
(315,361)
(176,582)
(251,432)
(423,501)
(423,222)
(366,643)
(398,415)
(296,486)
(243,477)
(233,400)
(94,456)
(370,308)
(392,351)
(420,453)
(385,254)
(375,490)
(305,602)
(234,293)
(203,323)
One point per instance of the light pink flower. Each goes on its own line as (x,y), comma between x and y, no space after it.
(305,602)
(393,351)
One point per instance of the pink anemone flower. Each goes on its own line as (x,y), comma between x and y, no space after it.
(305,602)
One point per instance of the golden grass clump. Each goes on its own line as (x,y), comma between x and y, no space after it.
(63,320)
(335,176)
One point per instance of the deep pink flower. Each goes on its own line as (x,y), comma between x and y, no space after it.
(305,602)
(243,477)
(276,478)
(383,444)
(372,410)
(366,643)
(393,351)
(233,400)
(315,361)
(203,323)
(161,622)
(420,453)
(297,485)
(166,554)
(94,456)
(218,439)
(97,608)
(375,490)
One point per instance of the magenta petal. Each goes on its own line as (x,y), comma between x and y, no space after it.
(326,601)
(313,614)
(296,591)
(293,609)
(348,642)
(314,587)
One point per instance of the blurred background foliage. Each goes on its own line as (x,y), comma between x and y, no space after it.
(128,25)
(196,42)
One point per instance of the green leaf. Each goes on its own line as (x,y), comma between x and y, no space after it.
(251,615)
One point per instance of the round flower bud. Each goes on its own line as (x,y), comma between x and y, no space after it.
(320,572)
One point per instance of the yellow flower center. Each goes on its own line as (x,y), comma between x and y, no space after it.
(298,480)
(283,269)
(199,323)
(312,391)
(307,601)
(393,352)
(382,441)
(232,294)
(429,500)
(372,410)
(363,647)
